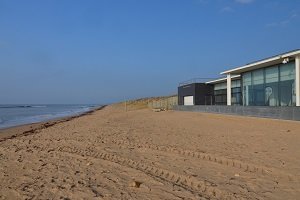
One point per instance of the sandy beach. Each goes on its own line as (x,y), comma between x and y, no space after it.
(141,154)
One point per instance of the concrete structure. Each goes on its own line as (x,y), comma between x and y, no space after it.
(286,113)
(228,81)
(195,94)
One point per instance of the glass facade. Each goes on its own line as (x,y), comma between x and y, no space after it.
(220,93)
(236,92)
(271,86)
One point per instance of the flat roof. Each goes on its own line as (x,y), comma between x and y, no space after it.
(263,63)
(195,80)
(220,80)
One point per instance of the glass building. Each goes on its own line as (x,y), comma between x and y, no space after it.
(273,81)
(270,86)
(220,91)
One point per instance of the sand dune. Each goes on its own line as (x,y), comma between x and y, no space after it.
(140,154)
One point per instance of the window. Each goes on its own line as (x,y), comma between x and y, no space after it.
(287,84)
(236,84)
(247,88)
(271,86)
(258,88)
(220,93)
(220,86)
(236,92)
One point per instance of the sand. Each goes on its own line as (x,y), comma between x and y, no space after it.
(141,154)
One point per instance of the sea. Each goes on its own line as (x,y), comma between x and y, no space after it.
(15,115)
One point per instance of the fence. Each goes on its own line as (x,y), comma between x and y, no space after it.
(167,103)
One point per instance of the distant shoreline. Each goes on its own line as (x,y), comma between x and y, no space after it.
(13,115)
(31,128)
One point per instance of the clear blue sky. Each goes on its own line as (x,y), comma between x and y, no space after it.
(101,51)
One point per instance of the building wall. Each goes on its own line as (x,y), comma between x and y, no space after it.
(204,94)
(201,92)
(185,90)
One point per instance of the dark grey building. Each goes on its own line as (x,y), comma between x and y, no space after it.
(195,94)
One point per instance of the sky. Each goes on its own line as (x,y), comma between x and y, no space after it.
(104,51)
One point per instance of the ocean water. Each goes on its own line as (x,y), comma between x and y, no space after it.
(15,115)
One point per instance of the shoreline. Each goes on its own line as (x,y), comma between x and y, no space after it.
(27,129)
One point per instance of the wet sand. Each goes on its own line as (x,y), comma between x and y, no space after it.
(141,154)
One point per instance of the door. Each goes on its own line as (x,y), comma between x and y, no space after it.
(188,100)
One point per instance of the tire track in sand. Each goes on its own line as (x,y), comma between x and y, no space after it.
(189,183)
(237,164)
